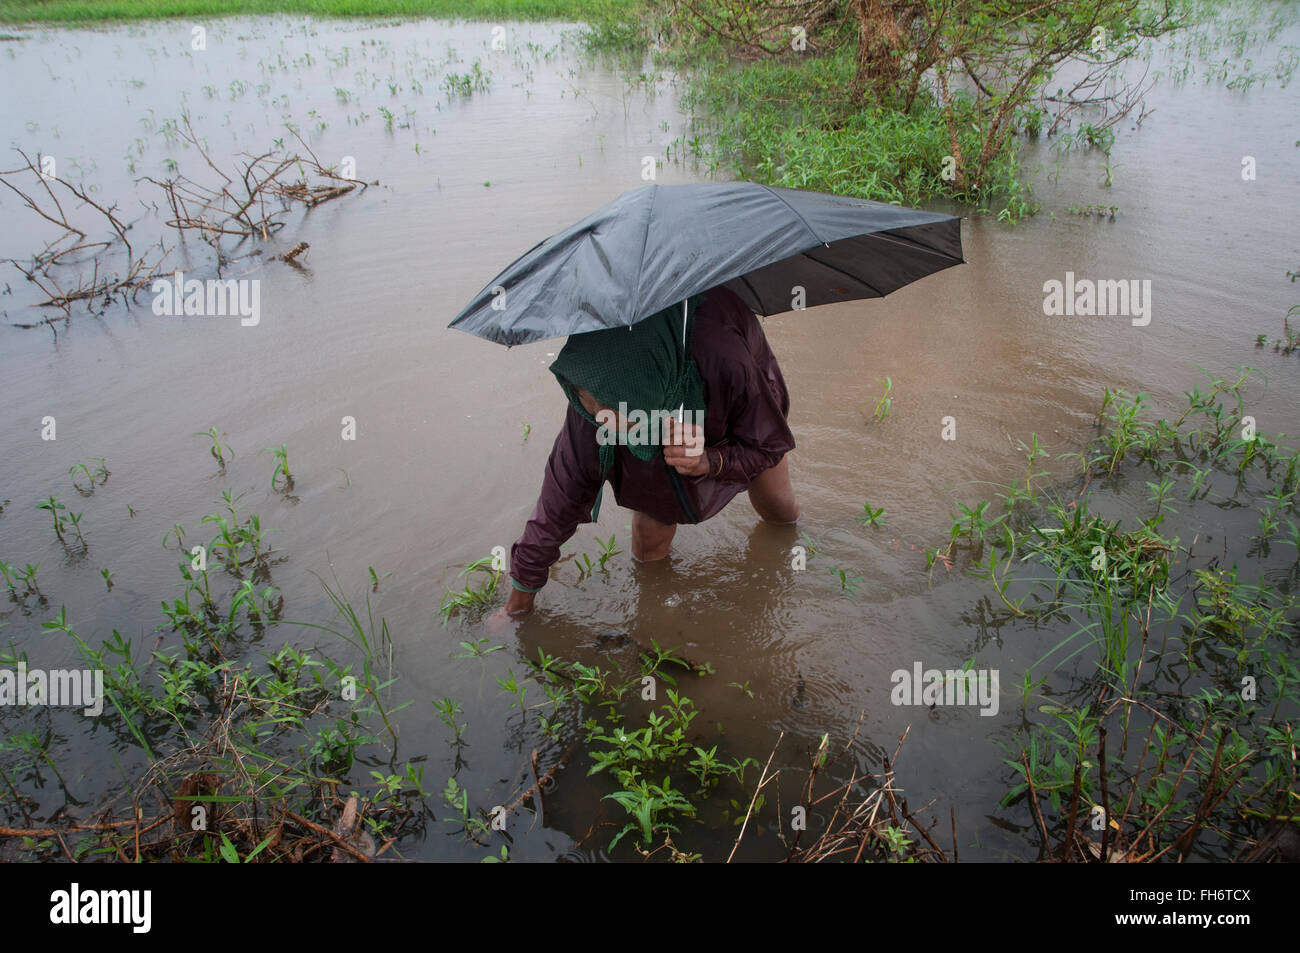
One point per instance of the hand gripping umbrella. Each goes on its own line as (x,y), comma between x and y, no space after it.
(658,245)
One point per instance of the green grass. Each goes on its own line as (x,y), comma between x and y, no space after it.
(82,11)
(871,516)
(793,125)
(1136,611)
(470,597)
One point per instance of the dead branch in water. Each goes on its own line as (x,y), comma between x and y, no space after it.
(46,267)
(214,796)
(294,252)
(250,201)
(868,825)
(540,783)
(1145,828)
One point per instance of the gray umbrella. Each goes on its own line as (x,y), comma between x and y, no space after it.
(655,246)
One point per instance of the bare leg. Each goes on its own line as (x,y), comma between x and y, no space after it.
(772,495)
(651,539)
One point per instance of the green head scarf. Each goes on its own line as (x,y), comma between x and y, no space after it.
(647,366)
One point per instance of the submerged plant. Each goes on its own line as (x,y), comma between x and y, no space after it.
(75,520)
(848,582)
(607,551)
(281,470)
(471,597)
(885,402)
(72,472)
(54,508)
(1133,623)
(27,575)
(447,710)
(218,450)
(9,572)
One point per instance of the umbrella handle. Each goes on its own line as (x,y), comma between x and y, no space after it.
(685,355)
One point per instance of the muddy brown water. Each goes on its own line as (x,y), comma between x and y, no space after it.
(440,471)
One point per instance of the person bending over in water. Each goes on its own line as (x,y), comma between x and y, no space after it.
(724,375)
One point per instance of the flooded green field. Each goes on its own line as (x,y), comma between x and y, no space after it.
(408,451)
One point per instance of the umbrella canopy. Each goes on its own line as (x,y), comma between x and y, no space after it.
(657,245)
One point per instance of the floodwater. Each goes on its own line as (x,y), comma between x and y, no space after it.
(440,471)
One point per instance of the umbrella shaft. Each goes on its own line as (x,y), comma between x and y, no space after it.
(685,356)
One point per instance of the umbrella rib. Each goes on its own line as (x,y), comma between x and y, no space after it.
(754,292)
(827,264)
(645,240)
(913,243)
(811,231)
(469,311)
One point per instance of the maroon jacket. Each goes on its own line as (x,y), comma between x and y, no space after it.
(747,405)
